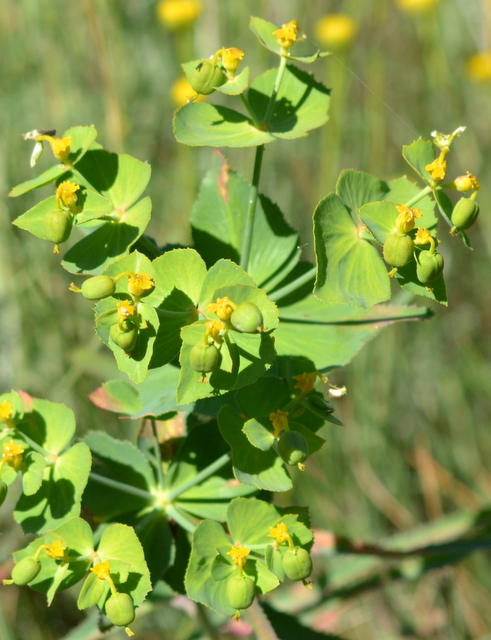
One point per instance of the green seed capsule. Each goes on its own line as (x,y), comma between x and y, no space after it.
(240,592)
(293,448)
(297,564)
(398,250)
(465,213)
(429,267)
(98,287)
(247,318)
(25,571)
(120,609)
(126,337)
(204,357)
(206,77)
(3,492)
(57,226)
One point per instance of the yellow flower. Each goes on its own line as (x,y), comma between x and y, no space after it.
(213,329)
(280,421)
(60,147)
(437,168)
(423,236)
(55,549)
(335,30)
(138,283)
(231,58)
(467,182)
(6,411)
(239,555)
(223,307)
(287,35)
(417,6)
(306,381)
(478,66)
(125,310)
(66,194)
(12,455)
(279,533)
(102,570)
(182,92)
(405,219)
(178,14)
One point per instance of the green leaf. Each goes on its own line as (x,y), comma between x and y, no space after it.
(259,435)
(355,188)
(418,155)
(222,274)
(117,396)
(50,424)
(380,218)
(349,269)
(264,31)
(237,85)
(32,476)
(261,469)
(82,140)
(403,190)
(332,334)
(158,391)
(60,494)
(218,224)
(48,176)
(93,206)
(92,592)
(263,397)
(97,250)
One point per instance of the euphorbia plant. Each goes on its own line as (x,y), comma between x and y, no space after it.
(235,333)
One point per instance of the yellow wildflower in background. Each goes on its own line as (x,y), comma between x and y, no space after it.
(182,92)
(335,30)
(138,283)
(478,66)
(66,194)
(178,14)
(55,550)
(417,6)
(6,411)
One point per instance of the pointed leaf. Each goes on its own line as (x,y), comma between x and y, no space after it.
(117,396)
(32,476)
(418,155)
(237,85)
(48,176)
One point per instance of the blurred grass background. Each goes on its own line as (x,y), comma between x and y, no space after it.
(416,445)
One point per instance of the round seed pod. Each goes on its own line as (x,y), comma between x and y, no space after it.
(297,564)
(293,448)
(240,592)
(126,337)
(120,609)
(465,213)
(247,318)
(206,77)
(57,226)
(3,492)
(25,571)
(429,267)
(204,357)
(398,250)
(98,287)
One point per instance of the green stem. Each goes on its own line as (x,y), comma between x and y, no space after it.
(251,208)
(250,111)
(34,445)
(180,518)
(126,488)
(199,477)
(158,455)
(424,192)
(277,85)
(294,285)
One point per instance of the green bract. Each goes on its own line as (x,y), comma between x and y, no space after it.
(297,564)
(120,609)
(240,592)
(25,571)
(247,318)
(293,447)
(398,250)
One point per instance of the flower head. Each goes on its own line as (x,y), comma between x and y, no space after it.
(60,147)
(444,140)
(239,555)
(417,6)
(280,421)
(214,329)
(288,34)
(279,533)
(405,219)
(55,549)
(178,14)
(437,168)
(66,194)
(306,381)
(138,283)
(466,183)
(12,455)
(223,307)
(6,411)
(231,58)
(335,30)
(125,310)
(478,66)
(423,236)
(102,570)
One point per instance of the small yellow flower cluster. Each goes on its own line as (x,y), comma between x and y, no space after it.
(231,58)
(478,66)
(423,236)
(213,329)
(6,411)
(306,381)
(280,421)
(335,30)
(178,14)
(55,550)
(405,219)
(138,283)
(288,34)
(125,310)
(66,194)
(467,183)
(12,455)
(223,308)
(417,6)
(437,168)
(279,533)
(239,556)
(102,570)
(60,147)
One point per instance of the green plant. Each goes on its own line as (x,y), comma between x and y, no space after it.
(179,324)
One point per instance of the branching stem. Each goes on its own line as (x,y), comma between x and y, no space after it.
(199,477)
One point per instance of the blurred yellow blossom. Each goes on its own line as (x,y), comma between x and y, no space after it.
(478,66)
(335,30)
(417,6)
(178,14)
(125,310)
(12,455)
(306,381)
(182,92)
(6,411)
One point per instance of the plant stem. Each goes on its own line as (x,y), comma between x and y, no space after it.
(210,630)
(180,518)
(424,192)
(34,445)
(126,488)
(250,111)
(251,209)
(258,620)
(158,455)
(294,285)
(277,85)
(199,477)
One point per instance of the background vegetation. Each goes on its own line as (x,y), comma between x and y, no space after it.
(413,457)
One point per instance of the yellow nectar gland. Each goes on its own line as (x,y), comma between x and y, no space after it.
(213,329)
(405,219)
(66,194)
(125,310)
(223,307)
(138,283)
(12,455)
(231,58)
(239,556)
(335,30)
(6,411)
(287,35)
(178,14)
(467,183)
(437,168)
(306,381)
(102,570)
(423,236)
(279,533)
(55,550)
(280,422)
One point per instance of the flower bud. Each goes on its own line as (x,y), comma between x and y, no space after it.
(98,287)
(57,226)
(240,591)
(206,77)
(398,250)
(247,318)
(204,357)
(429,267)
(125,336)
(293,448)
(465,213)
(25,571)
(297,564)
(120,609)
